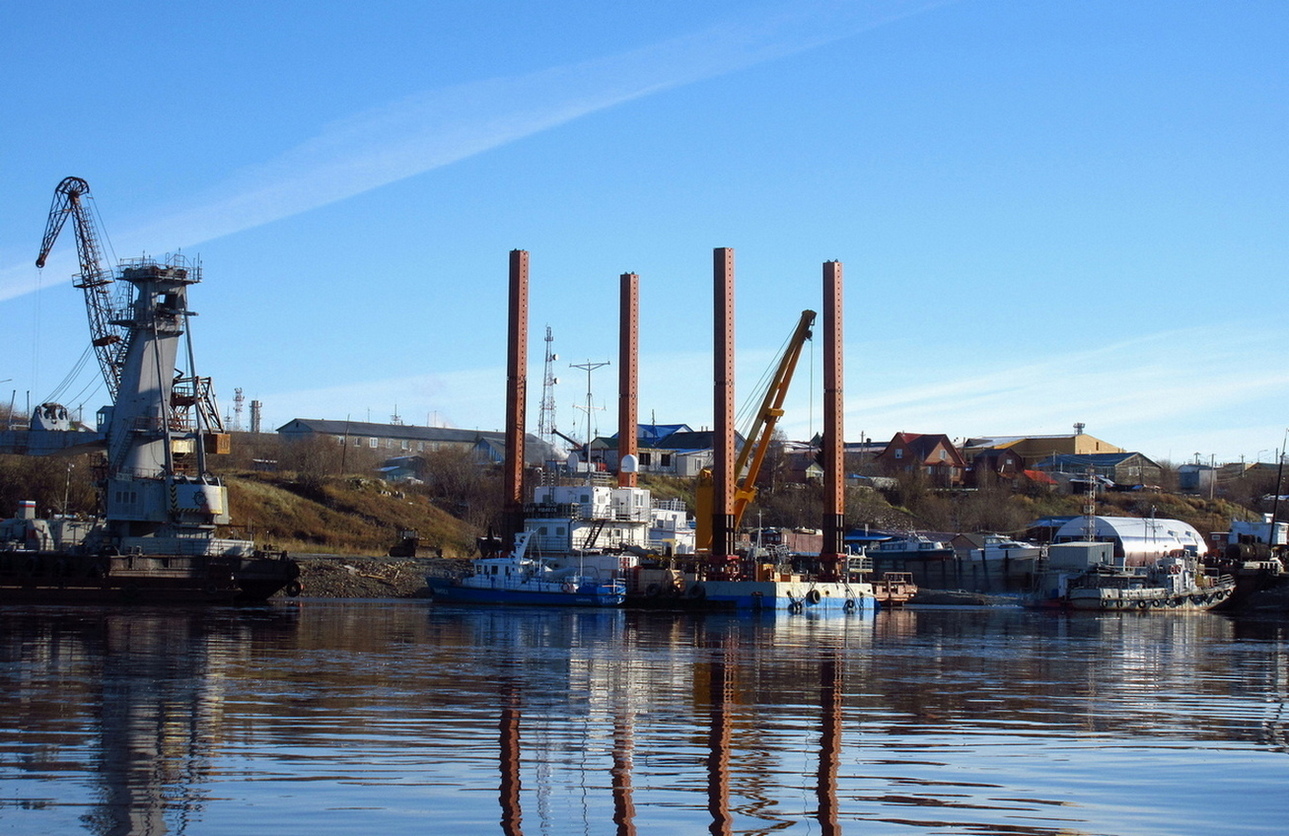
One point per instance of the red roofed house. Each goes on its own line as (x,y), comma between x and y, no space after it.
(933,455)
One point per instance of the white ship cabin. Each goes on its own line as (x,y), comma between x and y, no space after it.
(670,529)
(569,518)
(1264,532)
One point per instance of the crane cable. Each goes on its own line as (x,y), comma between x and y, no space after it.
(71,376)
(748,412)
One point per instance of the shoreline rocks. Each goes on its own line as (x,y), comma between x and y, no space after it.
(350,576)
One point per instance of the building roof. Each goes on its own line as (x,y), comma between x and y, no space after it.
(691,440)
(1070,460)
(363,428)
(534,447)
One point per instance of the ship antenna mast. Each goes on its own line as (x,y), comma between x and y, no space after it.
(588,367)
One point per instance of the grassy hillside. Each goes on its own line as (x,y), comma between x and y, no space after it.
(342,516)
(357,516)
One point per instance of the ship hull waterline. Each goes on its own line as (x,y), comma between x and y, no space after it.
(788,596)
(448,591)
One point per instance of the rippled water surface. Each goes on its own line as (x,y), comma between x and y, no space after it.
(405,717)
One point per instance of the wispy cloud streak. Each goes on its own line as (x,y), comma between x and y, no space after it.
(439,127)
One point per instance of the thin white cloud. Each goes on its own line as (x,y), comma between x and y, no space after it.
(1143,392)
(439,127)
(1140,393)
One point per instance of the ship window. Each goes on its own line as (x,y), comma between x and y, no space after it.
(542,531)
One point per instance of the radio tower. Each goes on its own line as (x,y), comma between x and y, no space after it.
(546,416)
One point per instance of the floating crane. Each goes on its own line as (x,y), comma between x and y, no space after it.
(157,536)
(107,335)
(757,442)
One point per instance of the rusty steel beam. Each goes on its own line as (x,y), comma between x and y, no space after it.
(516,396)
(723,406)
(628,375)
(834,433)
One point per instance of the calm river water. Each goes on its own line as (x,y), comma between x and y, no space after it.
(395,717)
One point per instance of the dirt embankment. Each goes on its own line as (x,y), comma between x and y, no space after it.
(346,576)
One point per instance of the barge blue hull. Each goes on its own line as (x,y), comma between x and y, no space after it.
(446,590)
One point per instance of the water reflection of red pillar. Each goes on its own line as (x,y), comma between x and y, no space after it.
(830,686)
(509,739)
(718,748)
(624,806)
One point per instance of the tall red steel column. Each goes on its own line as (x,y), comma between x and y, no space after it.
(628,375)
(723,408)
(516,396)
(834,433)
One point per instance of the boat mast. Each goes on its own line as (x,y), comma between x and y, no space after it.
(588,367)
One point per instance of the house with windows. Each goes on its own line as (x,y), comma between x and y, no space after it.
(931,454)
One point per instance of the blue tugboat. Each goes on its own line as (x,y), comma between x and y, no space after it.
(511,577)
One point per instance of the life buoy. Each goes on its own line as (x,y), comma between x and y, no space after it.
(813,596)
(293,589)
(1143,604)
(850,604)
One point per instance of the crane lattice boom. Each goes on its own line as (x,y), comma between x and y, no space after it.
(95,279)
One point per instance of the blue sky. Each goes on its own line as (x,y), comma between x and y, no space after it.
(1048,212)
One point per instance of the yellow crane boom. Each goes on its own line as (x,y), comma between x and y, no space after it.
(756,442)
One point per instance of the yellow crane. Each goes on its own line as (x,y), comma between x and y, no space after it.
(756,442)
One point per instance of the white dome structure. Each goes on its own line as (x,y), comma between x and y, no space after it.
(1138,541)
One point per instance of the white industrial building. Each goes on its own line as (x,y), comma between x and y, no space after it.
(1138,541)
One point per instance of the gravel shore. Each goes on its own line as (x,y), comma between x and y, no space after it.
(347,576)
